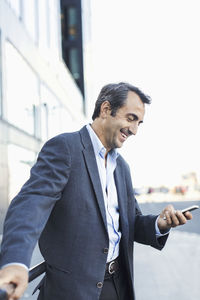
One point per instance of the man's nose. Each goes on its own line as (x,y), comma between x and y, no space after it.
(133,128)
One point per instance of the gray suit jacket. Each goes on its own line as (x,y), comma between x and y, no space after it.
(62,205)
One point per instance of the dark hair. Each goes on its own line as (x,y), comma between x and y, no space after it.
(116,95)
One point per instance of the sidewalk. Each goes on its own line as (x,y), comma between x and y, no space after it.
(172,273)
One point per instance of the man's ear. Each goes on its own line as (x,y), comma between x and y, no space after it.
(105,109)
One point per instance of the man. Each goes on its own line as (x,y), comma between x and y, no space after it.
(79,202)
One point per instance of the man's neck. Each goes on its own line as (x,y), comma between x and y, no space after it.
(99,132)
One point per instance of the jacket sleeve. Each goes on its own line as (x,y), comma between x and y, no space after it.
(144,225)
(30,209)
(145,231)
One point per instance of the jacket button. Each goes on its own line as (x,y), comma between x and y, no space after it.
(105,250)
(99,285)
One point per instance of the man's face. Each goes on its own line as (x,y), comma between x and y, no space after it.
(116,129)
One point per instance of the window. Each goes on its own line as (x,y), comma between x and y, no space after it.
(21,91)
(74,62)
(72,23)
(72,48)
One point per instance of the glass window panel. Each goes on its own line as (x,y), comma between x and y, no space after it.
(72,23)
(20,161)
(21,90)
(74,62)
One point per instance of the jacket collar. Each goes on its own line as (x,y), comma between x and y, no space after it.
(90,161)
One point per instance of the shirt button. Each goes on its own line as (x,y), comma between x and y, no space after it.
(99,285)
(105,250)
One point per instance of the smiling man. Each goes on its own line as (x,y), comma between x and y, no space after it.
(79,203)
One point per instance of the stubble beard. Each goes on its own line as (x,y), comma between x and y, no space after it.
(114,143)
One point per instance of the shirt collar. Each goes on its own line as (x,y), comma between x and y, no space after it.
(99,148)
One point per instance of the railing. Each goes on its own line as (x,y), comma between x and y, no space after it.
(33,273)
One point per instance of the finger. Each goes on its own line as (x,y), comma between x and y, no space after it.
(169,209)
(9,289)
(182,219)
(168,218)
(175,219)
(188,215)
(19,290)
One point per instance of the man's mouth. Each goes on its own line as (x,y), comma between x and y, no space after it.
(124,133)
(124,136)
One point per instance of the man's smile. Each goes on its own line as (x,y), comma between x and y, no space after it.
(125,133)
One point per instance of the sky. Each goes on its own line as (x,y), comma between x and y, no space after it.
(155,45)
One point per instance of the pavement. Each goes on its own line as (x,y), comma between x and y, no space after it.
(173,273)
(170,274)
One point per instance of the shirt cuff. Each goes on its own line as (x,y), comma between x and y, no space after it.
(158,233)
(15,264)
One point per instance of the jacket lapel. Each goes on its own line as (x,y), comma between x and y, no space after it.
(122,198)
(92,168)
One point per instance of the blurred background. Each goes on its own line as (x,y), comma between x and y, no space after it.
(55,55)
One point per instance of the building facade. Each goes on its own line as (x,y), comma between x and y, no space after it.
(39,97)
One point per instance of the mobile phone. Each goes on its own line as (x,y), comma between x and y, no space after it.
(190,208)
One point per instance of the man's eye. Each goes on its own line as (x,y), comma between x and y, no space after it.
(130,119)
